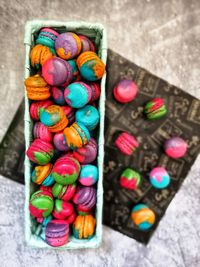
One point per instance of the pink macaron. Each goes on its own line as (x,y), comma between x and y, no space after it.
(42,132)
(87,153)
(62,209)
(125,91)
(126,143)
(175,147)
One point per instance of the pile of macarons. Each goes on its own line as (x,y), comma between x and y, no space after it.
(175,147)
(63,94)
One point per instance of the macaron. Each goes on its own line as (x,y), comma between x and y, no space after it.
(41,204)
(130,179)
(40,152)
(155,109)
(57,233)
(42,132)
(75,70)
(77,135)
(89,116)
(77,94)
(54,118)
(47,37)
(90,66)
(35,108)
(59,142)
(175,147)
(66,170)
(86,44)
(58,95)
(125,91)
(95,91)
(37,88)
(88,153)
(64,192)
(62,209)
(68,45)
(88,175)
(39,54)
(46,188)
(159,177)
(143,217)
(70,114)
(57,71)
(126,143)
(42,175)
(84,226)
(85,198)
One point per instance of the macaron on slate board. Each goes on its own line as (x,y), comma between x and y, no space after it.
(118,203)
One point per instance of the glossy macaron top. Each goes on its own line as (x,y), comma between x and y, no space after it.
(68,45)
(57,71)
(125,91)
(89,116)
(175,147)
(66,170)
(88,175)
(77,94)
(159,177)
(41,204)
(91,66)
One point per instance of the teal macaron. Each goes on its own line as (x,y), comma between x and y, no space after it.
(89,116)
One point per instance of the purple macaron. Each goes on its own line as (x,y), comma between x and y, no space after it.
(85,198)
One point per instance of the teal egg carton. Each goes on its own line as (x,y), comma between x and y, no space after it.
(34,234)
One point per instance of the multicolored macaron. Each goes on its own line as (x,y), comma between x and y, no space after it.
(37,88)
(68,45)
(39,54)
(42,132)
(35,108)
(70,113)
(88,153)
(58,95)
(59,142)
(62,209)
(40,152)
(155,109)
(126,143)
(42,175)
(66,170)
(143,217)
(89,116)
(86,44)
(57,71)
(41,204)
(85,198)
(159,177)
(54,118)
(77,135)
(75,70)
(175,147)
(96,90)
(125,91)
(130,179)
(63,192)
(47,37)
(57,233)
(90,66)
(88,175)
(84,226)
(78,94)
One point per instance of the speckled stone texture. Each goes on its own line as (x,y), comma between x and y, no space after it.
(161,36)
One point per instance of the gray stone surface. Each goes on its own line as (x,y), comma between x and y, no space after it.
(163,37)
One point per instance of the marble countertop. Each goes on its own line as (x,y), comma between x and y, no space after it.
(161,36)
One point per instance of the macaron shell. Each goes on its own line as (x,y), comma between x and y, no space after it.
(89,116)
(88,175)
(130,179)
(35,108)
(88,153)
(126,143)
(159,177)
(125,91)
(62,209)
(175,147)
(42,132)
(143,217)
(40,173)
